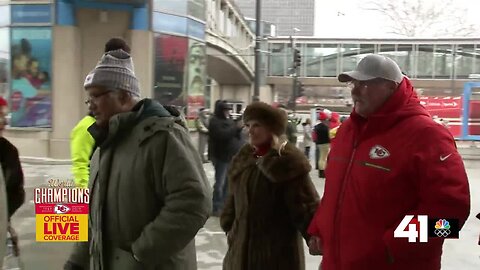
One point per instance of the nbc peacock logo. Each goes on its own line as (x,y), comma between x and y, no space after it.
(442,228)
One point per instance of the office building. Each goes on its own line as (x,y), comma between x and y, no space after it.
(285,14)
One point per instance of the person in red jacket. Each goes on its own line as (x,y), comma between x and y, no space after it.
(389,159)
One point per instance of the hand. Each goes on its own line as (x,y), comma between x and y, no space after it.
(315,246)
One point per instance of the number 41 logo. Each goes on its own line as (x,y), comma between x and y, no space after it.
(408,229)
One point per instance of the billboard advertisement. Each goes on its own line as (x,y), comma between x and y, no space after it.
(449,109)
(170,57)
(196,78)
(31,92)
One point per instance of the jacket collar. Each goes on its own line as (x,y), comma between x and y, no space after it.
(287,166)
(403,104)
(122,123)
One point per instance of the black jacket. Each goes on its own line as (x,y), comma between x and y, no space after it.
(322,133)
(224,135)
(13,173)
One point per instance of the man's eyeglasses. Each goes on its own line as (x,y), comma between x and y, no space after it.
(94,98)
(363,84)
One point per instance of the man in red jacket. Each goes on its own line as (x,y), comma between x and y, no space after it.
(389,159)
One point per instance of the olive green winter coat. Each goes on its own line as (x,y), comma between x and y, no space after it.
(270,204)
(149,194)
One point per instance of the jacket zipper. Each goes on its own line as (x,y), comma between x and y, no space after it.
(337,217)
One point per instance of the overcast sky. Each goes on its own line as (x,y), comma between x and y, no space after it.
(345,18)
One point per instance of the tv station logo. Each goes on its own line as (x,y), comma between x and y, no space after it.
(423,228)
(61,214)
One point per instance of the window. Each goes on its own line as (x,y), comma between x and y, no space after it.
(196,9)
(4,16)
(30,96)
(277,59)
(443,61)
(464,59)
(4,62)
(476,59)
(28,14)
(178,7)
(389,50)
(425,63)
(312,59)
(329,55)
(350,57)
(405,58)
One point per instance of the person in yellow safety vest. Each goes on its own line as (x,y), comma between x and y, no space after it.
(333,132)
(81,149)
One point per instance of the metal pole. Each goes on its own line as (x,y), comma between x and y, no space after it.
(295,78)
(294,93)
(454,64)
(258,36)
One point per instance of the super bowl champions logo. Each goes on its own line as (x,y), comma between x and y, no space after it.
(61,213)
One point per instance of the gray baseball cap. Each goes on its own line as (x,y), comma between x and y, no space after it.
(371,67)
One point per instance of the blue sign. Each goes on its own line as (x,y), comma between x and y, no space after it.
(196,29)
(25,14)
(167,23)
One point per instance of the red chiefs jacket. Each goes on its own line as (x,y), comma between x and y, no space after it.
(397,162)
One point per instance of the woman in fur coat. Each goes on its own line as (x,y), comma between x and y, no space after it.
(271,197)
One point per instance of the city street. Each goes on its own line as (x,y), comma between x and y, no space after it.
(461,254)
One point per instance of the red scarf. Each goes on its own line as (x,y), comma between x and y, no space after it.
(263,149)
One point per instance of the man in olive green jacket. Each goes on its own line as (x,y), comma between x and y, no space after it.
(3,217)
(149,193)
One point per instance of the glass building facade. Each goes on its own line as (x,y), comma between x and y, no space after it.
(180,62)
(25,62)
(284,14)
(26,52)
(419,59)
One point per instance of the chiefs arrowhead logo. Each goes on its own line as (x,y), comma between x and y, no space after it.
(378,152)
(61,209)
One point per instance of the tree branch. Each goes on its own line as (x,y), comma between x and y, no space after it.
(417,18)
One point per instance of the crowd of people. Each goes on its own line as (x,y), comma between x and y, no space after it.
(263,192)
(150,194)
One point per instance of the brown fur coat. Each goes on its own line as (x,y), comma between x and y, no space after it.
(270,204)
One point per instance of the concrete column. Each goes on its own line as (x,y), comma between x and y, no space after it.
(215,94)
(236,92)
(239,33)
(218,9)
(226,20)
(143,57)
(228,92)
(266,94)
(67,88)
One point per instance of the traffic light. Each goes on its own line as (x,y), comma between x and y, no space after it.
(300,90)
(297,58)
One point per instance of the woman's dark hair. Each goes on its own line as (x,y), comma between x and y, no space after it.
(116,44)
